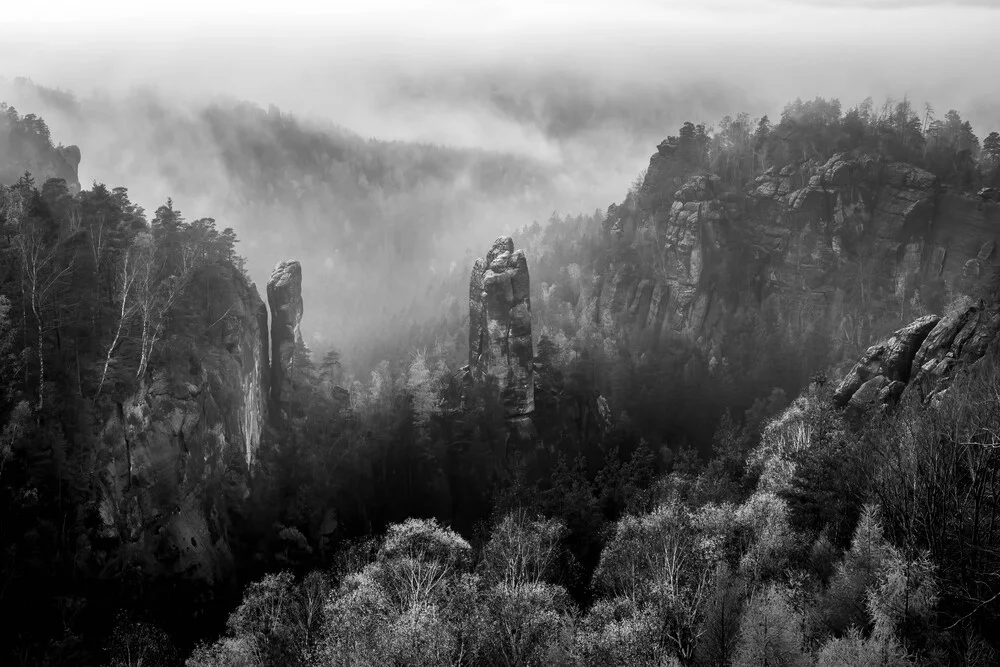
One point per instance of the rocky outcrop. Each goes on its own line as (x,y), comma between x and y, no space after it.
(500,342)
(959,340)
(688,242)
(24,147)
(885,363)
(178,451)
(69,167)
(43,164)
(801,237)
(284,296)
(920,359)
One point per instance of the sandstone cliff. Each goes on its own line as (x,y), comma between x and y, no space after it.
(500,342)
(921,359)
(823,242)
(284,296)
(178,450)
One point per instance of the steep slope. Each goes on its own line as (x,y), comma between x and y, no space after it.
(827,244)
(284,296)
(178,451)
(921,359)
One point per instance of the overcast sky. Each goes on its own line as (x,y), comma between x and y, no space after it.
(337,59)
(426,71)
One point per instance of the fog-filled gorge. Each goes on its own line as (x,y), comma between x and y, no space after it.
(583,333)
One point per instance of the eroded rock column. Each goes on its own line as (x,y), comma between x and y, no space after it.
(500,325)
(284,296)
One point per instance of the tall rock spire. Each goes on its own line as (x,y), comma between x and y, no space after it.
(500,325)
(284,296)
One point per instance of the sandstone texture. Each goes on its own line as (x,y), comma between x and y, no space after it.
(801,237)
(921,358)
(500,344)
(284,296)
(179,450)
(884,363)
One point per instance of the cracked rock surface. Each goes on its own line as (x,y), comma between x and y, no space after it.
(500,343)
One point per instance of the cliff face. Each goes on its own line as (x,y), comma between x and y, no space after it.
(921,359)
(178,451)
(817,239)
(284,295)
(500,342)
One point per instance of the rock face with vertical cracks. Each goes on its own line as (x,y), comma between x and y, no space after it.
(500,343)
(178,451)
(796,241)
(884,364)
(921,358)
(284,296)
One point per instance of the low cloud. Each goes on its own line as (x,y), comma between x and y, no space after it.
(585,89)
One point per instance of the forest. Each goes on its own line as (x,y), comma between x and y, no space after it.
(661,514)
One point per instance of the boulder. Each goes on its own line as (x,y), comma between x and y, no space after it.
(921,358)
(890,360)
(957,341)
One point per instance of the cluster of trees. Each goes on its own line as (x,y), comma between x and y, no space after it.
(804,539)
(26,141)
(91,298)
(357,212)
(741,148)
(642,525)
(18,129)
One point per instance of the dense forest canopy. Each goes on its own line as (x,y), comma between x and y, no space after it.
(662,514)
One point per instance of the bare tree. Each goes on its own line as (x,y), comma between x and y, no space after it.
(656,561)
(41,275)
(936,473)
(156,292)
(127,274)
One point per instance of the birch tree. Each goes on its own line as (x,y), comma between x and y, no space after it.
(127,275)
(41,276)
(659,561)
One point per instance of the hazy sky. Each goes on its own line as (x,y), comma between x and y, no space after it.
(633,70)
(339,59)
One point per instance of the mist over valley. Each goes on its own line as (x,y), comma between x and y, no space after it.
(482,333)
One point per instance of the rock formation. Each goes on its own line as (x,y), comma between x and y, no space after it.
(179,450)
(69,168)
(884,369)
(182,447)
(921,358)
(284,296)
(24,148)
(789,238)
(43,162)
(958,340)
(500,342)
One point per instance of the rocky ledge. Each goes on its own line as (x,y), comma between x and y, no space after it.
(920,359)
